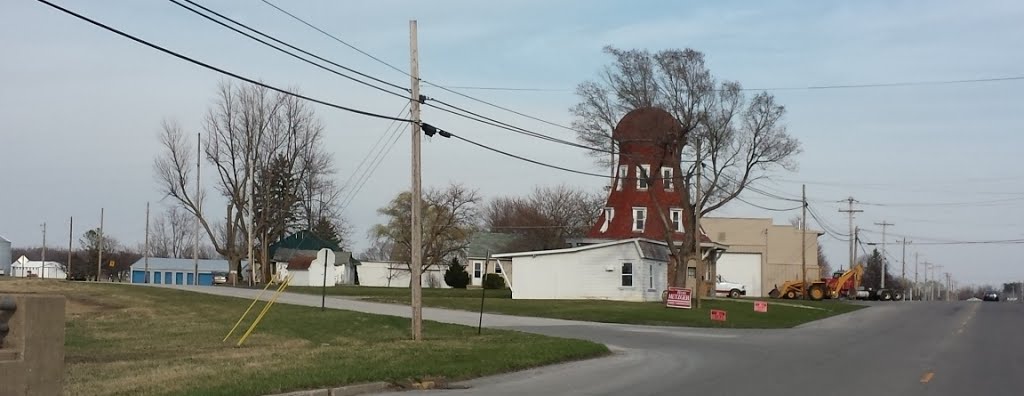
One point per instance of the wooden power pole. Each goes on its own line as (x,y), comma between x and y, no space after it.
(99,255)
(145,255)
(71,237)
(803,240)
(850,212)
(416,242)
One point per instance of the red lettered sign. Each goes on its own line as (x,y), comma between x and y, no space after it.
(679,297)
(718,315)
(760,306)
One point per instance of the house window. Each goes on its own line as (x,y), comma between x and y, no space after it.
(627,274)
(497,268)
(691,272)
(622,176)
(666,177)
(609,214)
(677,219)
(639,219)
(477,269)
(650,276)
(643,174)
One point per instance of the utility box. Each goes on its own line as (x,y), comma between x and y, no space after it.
(31,345)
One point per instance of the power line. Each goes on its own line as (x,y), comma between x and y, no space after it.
(335,37)
(439,86)
(767,208)
(222,16)
(217,69)
(388,133)
(378,159)
(521,158)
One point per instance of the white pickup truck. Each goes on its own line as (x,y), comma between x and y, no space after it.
(724,288)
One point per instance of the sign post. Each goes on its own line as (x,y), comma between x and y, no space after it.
(679,297)
(760,306)
(325,255)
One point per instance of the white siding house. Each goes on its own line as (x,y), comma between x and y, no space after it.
(396,274)
(24,268)
(5,256)
(623,270)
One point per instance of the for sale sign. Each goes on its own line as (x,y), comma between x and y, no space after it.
(718,315)
(760,306)
(679,297)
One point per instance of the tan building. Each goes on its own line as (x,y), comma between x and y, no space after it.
(760,254)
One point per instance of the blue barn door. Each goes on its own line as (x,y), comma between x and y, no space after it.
(157,278)
(206,279)
(179,278)
(138,276)
(191,278)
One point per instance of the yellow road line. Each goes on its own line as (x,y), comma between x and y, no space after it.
(927,377)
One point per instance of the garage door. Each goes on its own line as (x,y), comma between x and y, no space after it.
(742,268)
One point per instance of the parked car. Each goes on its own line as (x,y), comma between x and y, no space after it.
(220,278)
(990,296)
(729,289)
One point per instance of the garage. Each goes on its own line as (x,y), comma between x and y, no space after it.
(742,268)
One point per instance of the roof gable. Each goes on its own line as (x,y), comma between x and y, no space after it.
(488,242)
(303,240)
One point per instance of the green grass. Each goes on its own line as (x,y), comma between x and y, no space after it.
(740,313)
(369,291)
(132,340)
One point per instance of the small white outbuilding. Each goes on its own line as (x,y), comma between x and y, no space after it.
(25,268)
(623,270)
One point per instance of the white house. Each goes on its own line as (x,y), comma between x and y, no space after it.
(623,270)
(396,274)
(24,268)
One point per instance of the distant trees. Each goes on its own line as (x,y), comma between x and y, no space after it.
(823,265)
(873,273)
(172,234)
(545,218)
(449,220)
(738,139)
(280,139)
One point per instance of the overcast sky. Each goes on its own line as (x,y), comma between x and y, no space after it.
(80,108)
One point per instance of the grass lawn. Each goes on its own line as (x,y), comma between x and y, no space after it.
(135,340)
(740,313)
(369,291)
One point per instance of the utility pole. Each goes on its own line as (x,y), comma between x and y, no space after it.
(949,285)
(915,277)
(903,272)
(803,240)
(145,255)
(42,270)
(99,256)
(416,238)
(250,189)
(850,212)
(199,211)
(884,224)
(696,233)
(71,237)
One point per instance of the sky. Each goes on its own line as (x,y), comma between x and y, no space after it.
(80,108)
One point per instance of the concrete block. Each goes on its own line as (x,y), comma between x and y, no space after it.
(360,389)
(32,355)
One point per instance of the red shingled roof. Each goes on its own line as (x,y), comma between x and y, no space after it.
(300,262)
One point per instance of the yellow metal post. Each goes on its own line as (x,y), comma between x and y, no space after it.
(264,311)
(247,312)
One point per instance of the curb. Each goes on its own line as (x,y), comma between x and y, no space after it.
(350,390)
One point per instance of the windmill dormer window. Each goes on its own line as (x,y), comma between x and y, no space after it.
(677,219)
(643,174)
(666,177)
(622,176)
(639,219)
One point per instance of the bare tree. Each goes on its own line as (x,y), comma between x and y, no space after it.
(449,216)
(545,218)
(250,126)
(739,141)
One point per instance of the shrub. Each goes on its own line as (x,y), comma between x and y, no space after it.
(456,275)
(494,281)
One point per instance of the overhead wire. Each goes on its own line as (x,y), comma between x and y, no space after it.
(217,69)
(371,152)
(378,159)
(229,19)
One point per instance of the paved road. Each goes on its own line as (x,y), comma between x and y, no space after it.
(908,348)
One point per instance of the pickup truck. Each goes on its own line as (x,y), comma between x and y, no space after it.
(725,288)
